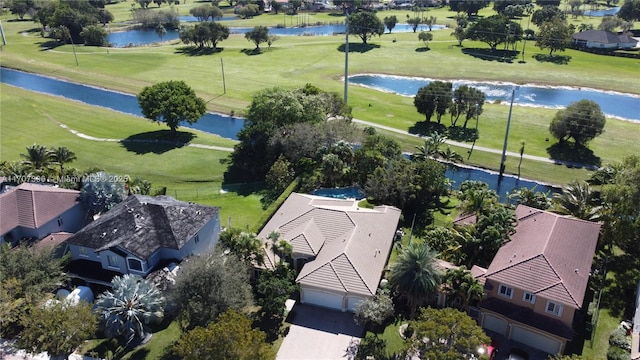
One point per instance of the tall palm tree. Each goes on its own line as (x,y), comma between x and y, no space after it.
(62,156)
(579,201)
(38,156)
(450,156)
(463,290)
(132,304)
(415,275)
(478,200)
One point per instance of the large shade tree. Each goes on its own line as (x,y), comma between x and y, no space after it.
(461,334)
(258,35)
(172,102)
(415,275)
(230,337)
(630,10)
(494,30)
(554,35)
(57,328)
(435,98)
(582,120)
(365,24)
(209,285)
(130,305)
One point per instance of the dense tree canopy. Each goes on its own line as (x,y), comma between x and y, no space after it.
(494,30)
(74,16)
(206,12)
(209,285)
(621,194)
(230,337)
(365,24)
(470,7)
(289,122)
(467,100)
(463,336)
(171,102)
(546,13)
(203,34)
(57,328)
(582,120)
(630,10)
(390,22)
(554,35)
(376,310)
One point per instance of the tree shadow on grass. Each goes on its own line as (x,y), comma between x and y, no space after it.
(492,55)
(50,44)
(459,133)
(427,128)
(251,52)
(423,49)
(358,47)
(197,51)
(573,153)
(556,59)
(157,142)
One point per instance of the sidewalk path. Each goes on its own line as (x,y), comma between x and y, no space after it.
(482,148)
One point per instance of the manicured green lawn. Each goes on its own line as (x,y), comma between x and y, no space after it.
(322,64)
(190,174)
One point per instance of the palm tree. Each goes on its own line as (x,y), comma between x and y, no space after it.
(431,147)
(463,290)
(132,303)
(63,155)
(579,201)
(38,156)
(415,275)
(478,200)
(450,156)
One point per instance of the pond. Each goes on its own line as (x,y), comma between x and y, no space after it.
(149,36)
(620,105)
(222,125)
(607,12)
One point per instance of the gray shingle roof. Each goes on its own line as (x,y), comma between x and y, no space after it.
(601,36)
(549,255)
(142,224)
(351,244)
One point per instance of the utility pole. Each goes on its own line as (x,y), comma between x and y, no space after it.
(224,83)
(346,59)
(506,135)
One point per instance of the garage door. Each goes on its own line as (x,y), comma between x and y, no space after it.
(352,301)
(535,340)
(321,298)
(494,324)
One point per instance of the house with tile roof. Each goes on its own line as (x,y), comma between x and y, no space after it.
(31,211)
(537,281)
(601,39)
(339,248)
(142,232)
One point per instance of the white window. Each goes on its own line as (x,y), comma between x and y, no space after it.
(553,308)
(112,261)
(505,291)
(529,297)
(82,251)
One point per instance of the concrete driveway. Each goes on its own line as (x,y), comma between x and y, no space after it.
(321,334)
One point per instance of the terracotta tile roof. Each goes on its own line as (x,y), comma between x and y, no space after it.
(142,224)
(549,255)
(31,205)
(351,244)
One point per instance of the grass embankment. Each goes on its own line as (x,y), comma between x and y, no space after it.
(322,64)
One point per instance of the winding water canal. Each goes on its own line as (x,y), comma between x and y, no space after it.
(620,105)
